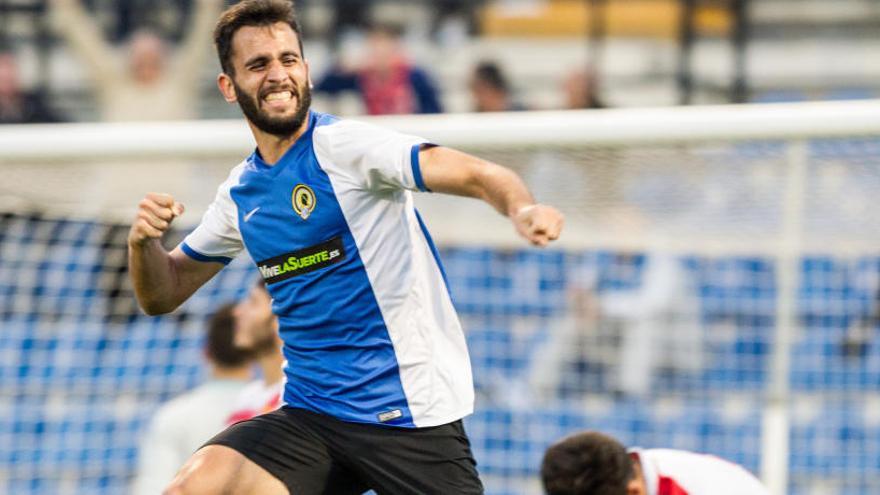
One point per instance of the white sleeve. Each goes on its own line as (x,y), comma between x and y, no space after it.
(373,157)
(217,237)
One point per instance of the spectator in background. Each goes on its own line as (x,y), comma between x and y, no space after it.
(256,330)
(182,425)
(491,91)
(152,83)
(857,339)
(453,20)
(647,303)
(581,90)
(657,320)
(18,106)
(349,15)
(591,463)
(387,82)
(129,14)
(862,328)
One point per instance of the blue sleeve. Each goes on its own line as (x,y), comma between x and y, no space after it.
(192,253)
(417,167)
(426,92)
(336,81)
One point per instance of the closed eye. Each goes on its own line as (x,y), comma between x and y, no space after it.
(289,59)
(257,65)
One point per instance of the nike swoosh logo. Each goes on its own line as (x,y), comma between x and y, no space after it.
(249,214)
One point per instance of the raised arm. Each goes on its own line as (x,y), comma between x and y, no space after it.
(162,280)
(197,42)
(449,171)
(84,37)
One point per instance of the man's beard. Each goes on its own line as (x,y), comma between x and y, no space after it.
(262,344)
(278,126)
(266,345)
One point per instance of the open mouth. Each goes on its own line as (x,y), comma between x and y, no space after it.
(279,99)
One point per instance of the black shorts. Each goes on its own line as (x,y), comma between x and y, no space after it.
(314,454)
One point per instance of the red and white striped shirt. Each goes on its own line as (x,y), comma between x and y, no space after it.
(678,472)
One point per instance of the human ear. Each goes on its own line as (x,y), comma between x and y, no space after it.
(227,87)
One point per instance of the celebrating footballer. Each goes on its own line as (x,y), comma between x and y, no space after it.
(378,373)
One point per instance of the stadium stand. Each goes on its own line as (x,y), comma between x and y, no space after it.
(82,371)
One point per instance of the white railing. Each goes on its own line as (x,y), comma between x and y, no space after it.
(583,128)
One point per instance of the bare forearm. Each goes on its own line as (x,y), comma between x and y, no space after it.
(503,189)
(449,171)
(480,179)
(161,280)
(153,276)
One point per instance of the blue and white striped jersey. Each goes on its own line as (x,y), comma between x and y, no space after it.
(370,333)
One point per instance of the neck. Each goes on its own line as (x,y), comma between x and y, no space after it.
(497,102)
(272,147)
(637,485)
(221,373)
(272,365)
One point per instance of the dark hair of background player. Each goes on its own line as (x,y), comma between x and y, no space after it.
(586,463)
(251,13)
(220,339)
(491,74)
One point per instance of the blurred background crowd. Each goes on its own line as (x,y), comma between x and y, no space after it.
(658,323)
(88,60)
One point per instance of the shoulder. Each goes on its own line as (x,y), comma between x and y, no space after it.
(223,201)
(417,72)
(236,172)
(675,456)
(421,79)
(235,177)
(336,129)
(330,126)
(703,471)
(254,387)
(334,136)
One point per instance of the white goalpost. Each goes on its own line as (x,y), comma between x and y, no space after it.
(767,213)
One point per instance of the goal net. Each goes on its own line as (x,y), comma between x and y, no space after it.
(716,289)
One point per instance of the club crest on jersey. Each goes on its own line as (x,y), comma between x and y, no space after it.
(303,200)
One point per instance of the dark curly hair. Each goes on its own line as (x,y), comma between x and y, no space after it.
(586,463)
(251,13)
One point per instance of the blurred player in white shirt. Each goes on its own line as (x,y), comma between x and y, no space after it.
(182,425)
(591,463)
(256,331)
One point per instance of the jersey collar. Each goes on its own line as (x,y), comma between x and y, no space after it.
(305,140)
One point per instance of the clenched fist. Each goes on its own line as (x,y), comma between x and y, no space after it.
(155,214)
(539,224)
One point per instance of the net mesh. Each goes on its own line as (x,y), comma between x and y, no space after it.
(655,320)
